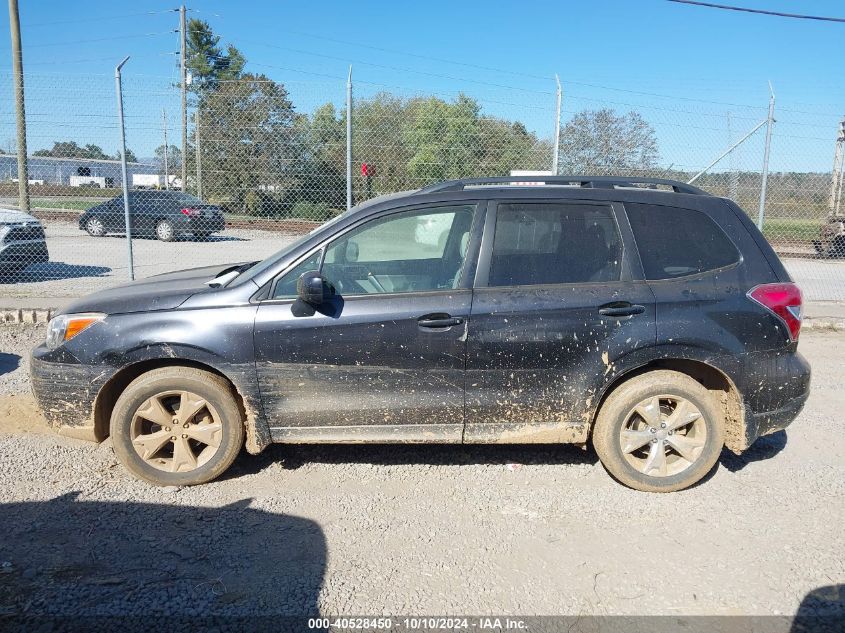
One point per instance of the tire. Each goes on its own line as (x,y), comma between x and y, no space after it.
(837,247)
(658,394)
(95,227)
(215,418)
(165,231)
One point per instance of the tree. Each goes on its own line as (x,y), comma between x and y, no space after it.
(174,158)
(604,142)
(206,60)
(251,143)
(69,149)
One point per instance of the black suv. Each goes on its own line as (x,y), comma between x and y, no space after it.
(166,215)
(642,315)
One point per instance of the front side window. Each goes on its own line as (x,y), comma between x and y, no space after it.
(676,242)
(555,243)
(410,251)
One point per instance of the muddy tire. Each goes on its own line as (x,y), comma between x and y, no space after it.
(177,426)
(659,432)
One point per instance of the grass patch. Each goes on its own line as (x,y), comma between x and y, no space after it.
(72,205)
(799,230)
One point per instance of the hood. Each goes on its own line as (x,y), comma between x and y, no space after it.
(161,292)
(12,216)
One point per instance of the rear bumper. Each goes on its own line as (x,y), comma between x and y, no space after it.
(66,393)
(786,387)
(211,224)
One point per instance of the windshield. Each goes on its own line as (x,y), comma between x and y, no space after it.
(263,265)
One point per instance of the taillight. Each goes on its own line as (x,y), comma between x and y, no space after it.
(784,300)
(191,213)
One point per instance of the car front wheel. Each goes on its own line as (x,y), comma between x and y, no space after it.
(177,426)
(659,432)
(94,227)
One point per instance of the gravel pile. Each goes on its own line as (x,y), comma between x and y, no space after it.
(427,529)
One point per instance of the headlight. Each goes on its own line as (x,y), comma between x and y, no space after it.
(65,326)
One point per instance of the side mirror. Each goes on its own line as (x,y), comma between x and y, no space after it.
(313,288)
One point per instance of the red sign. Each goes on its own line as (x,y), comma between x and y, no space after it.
(368,170)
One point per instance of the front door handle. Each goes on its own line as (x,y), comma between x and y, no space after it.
(438,321)
(621,309)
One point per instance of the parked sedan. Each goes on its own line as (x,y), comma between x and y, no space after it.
(166,215)
(21,242)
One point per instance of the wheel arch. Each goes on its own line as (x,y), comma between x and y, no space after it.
(109,393)
(715,380)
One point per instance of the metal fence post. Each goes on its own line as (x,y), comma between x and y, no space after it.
(197,156)
(20,106)
(119,91)
(556,154)
(349,140)
(769,122)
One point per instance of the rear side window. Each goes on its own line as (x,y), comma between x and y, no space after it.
(675,242)
(555,243)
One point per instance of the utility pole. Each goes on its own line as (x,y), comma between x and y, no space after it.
(770,121)
(838,173)
(556,154)
(118,88)
(20,110)
(198,152)
(166,151)
(183,62)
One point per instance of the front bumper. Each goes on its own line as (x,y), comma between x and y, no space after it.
(66,392)
(23,253)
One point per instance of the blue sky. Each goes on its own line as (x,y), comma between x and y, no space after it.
(682,67)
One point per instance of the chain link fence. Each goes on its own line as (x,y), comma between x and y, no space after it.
(266,161)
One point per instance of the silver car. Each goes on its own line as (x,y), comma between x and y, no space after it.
(22,242)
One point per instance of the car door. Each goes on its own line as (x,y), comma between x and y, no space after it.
(114,214)
(384,359)
(557,309)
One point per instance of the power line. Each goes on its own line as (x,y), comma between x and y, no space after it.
(780,14)
(99,18)
(99,39)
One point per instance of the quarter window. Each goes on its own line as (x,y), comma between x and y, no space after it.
(676,242)
(555,243)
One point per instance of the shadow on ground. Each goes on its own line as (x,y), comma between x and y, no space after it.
(765,448)
(68,557)
(52,271)
(821,611)
(293,456)
(8,363)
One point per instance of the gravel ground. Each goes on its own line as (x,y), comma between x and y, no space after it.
(422,529)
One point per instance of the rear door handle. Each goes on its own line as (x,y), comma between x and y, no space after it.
(621,309)
(437,321)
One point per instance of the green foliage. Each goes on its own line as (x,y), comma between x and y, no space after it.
(69,149)
(317,211)
(206,60)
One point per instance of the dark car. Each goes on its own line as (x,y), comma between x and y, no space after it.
(659,325)
(22,242)
(166,215)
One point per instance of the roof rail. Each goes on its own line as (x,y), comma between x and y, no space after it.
(592,182)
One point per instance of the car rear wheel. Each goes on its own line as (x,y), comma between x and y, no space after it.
(95,227)
(177,426)
(659,432)
(165,231)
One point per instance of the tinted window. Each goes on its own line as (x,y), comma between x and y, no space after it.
(411,251)
(675,242)
(549,243)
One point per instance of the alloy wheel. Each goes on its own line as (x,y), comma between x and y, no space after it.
(95,226)
(663,436)
(164,231)
(176,431)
